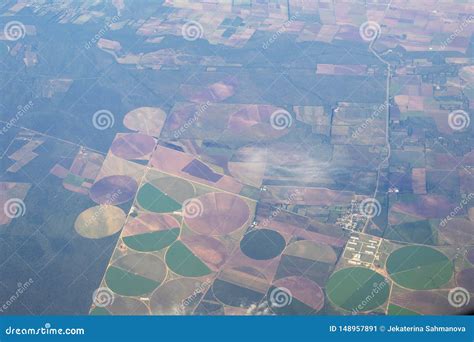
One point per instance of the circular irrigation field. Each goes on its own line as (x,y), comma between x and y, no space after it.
(178,296)
(99,221)
(150,232)
(135,274)
(133,146)
(148,120)
(357,289)
(221,214)
(262,244)
(295,296)
(113,190)
(195,256)
(419,268)
(122,306)
(164,195)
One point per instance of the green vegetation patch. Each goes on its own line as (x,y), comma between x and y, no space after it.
(152,241)
(396,310)
(97,311)
(357,289)
(414,232)
(73,180)
(235,295)
(262,244)
(419,267)
(152,199)
(183,262)
(128,284)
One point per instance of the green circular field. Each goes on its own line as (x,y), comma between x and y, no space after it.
(357,289)
(181,260)
(151,232)
(419,268)
(164,195)
(135,274)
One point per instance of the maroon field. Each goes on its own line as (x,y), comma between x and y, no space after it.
(146,223)
(133,146)
(209,250)
(222,213)
(465,279)
(304,290)
(470,255)
(113,190)
(426,206)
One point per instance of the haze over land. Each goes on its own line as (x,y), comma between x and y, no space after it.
(236,158)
